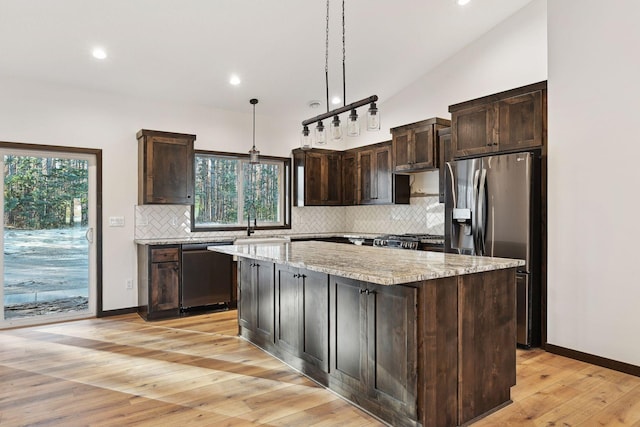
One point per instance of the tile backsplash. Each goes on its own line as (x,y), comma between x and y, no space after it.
(422,215)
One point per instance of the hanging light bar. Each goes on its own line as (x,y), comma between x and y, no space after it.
(353,124)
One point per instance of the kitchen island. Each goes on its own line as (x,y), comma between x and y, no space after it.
(416,338)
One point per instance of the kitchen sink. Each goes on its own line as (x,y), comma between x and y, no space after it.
(259,239)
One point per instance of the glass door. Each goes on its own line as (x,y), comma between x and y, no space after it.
(47,261)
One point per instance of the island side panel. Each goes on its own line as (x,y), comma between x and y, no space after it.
(487,342)
(438,352)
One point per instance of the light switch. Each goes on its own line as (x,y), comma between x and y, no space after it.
(116,221)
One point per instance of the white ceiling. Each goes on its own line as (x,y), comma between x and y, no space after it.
(186,50)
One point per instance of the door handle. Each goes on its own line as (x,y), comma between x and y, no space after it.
(89,235)
(482,214)
(474,215)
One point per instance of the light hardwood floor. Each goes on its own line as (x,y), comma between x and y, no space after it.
(123,371)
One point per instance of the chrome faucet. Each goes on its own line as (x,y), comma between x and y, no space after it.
(250,230)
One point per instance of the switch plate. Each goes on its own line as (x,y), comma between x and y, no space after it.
(129,283)
(116,221)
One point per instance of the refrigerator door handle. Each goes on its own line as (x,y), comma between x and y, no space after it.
(482,213)
(474,215)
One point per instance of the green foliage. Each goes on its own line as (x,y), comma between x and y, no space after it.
(39,192)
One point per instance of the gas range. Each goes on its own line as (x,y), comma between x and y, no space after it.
(408,241)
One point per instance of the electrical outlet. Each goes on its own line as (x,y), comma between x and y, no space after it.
(129,283)
(174,220)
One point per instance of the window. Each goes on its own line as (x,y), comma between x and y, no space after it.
(230,192)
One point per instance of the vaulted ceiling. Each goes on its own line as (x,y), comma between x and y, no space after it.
(186,50)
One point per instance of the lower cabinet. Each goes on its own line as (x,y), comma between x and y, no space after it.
(374,347)
(302,327)
(158,281)
(256,299)
(357,338)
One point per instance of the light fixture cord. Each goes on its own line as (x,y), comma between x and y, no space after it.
(326,58)
(344,56)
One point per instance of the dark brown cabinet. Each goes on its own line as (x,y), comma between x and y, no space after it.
(302,327)
(158,281)
(318,177)
(415,146)
(505,122)
(349,178)
(373,344)
(375,175)
(165,167)
(256,301)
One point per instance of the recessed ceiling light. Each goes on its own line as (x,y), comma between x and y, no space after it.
(99,53)
(462,2)
(336,100)
(234,80)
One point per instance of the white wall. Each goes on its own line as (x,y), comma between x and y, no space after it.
(38,113)
(594,103)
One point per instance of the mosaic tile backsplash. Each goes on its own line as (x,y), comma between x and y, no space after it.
(422,215)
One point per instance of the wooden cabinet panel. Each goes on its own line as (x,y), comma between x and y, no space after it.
(509,121)
(318,177)
(349,178)
(392,347)
(348,328)
(165,167)
(520,121)
(314,304)
(257,298)
(159,273)
(415,145)
(288,308)
(375,175)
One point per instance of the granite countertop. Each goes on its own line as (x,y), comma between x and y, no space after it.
(383,266)
(231,238)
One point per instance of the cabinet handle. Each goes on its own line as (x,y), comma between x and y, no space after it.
(295,276)
(362,291)
(302,276)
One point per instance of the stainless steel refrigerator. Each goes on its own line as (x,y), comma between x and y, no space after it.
(491,209)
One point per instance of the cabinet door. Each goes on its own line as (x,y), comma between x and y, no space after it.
(349,177)
(165,285)
(263,275)
(520,122)
(374,175)
(246,294)
(332,179)
(313,178)
(347,309)
(402,150)
(169,176)
(392,346)
(382,174)
(474,130)
(424,150)
(314,318)
(287,308)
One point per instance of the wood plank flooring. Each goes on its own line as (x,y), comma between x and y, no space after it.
(122,371)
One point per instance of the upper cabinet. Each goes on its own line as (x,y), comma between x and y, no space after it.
(317,177)
(375,175)
(509,121)
(165,167)
(415,146)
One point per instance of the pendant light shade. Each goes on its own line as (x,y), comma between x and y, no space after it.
(336,129)
(321,134)
(254,155)
(353,125)
(373,118)
(305,138)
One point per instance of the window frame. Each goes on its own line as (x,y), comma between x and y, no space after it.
(286,205)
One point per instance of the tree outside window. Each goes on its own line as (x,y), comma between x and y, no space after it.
(230,191)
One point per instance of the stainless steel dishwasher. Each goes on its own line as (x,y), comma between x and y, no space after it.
(207,277)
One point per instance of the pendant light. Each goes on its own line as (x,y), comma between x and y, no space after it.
(353,124)
(254,155)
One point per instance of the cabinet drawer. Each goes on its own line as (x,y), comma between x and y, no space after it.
(165,255)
